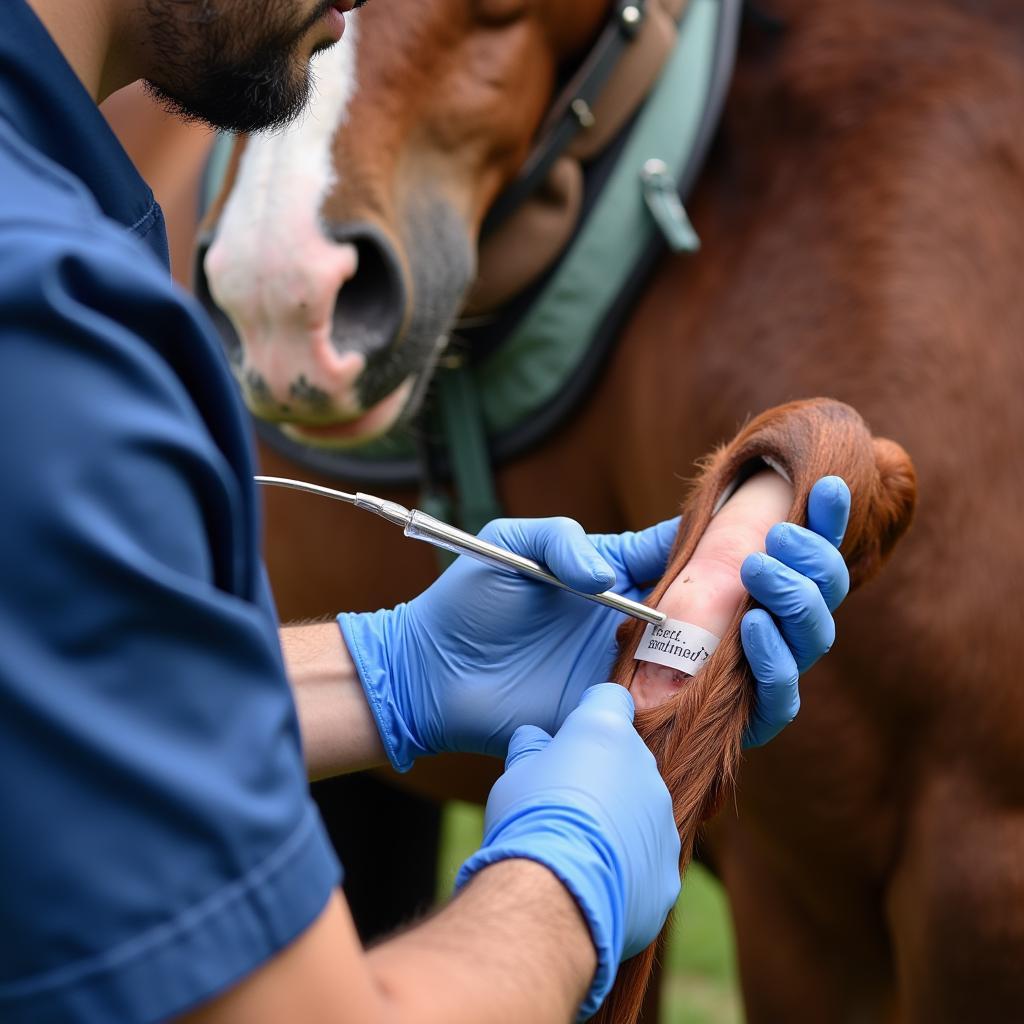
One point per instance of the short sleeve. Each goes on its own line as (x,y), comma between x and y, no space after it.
(159,840)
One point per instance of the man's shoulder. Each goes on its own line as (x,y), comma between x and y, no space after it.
(35,188)
(45,210)
(91,323)
(67,269)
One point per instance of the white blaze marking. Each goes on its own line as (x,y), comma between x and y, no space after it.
(271,267)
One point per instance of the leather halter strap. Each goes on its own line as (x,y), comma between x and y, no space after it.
(572,110)
(537,216)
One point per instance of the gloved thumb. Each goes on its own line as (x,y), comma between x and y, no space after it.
(526,741)
(609,698)
(828,508)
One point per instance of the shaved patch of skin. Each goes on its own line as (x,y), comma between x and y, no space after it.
(709,590)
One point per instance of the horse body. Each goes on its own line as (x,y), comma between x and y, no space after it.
(862,220)
(875,862)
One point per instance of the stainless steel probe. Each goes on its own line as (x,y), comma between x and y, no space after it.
(420,526)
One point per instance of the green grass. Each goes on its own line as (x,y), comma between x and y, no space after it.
(701,983)
(701,986)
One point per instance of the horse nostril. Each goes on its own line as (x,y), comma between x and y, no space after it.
(370,307)
(201,287)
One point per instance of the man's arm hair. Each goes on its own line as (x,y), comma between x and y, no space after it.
(511,947)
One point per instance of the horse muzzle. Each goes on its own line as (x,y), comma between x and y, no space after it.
(313,334)
(327,335)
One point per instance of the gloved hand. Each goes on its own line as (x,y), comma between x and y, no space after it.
(590,805)
(484,650)
(801,579)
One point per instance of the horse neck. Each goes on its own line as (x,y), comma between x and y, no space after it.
(800,58)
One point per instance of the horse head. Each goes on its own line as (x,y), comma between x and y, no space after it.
(340,250)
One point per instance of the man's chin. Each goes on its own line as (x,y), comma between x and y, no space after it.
(238,108)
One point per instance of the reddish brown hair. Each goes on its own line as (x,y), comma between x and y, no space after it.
(697,735)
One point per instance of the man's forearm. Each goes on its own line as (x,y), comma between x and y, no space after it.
(338,730)
(512,947)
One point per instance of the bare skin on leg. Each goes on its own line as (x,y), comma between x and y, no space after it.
(708,591)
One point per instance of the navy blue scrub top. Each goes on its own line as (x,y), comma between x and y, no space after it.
(158,840)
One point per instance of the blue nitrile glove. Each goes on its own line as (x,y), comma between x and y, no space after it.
(590,805)
(485,650)
(801,580)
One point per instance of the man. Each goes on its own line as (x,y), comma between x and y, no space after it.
(161,856)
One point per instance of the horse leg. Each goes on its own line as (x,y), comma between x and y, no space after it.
(793,966)
(956,905)
(387,840)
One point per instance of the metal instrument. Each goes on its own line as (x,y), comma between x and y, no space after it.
(421,526)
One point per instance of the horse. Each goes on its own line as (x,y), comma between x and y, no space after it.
(860,216)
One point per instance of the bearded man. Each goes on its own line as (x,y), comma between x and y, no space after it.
(161,858)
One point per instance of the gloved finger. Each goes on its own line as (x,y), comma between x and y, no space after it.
(778,690)
(610,698)
(828,508)
(526,741)
(642,553)
(795,602)
(558,543)
(812,556)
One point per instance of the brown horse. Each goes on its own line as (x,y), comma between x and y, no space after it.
(862,220)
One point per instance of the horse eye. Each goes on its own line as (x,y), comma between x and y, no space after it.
(500,12)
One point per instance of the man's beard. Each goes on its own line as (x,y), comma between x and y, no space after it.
(234,65)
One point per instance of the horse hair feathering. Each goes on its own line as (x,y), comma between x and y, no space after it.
(696,735)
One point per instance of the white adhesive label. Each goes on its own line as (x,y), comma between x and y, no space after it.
(676,644)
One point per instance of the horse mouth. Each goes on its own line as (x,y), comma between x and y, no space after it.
(350,433)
